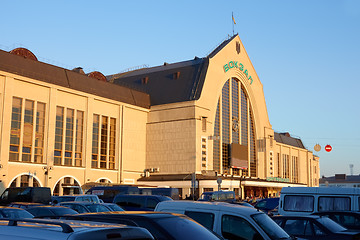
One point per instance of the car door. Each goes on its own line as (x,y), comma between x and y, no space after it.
(238,228)
(304,228)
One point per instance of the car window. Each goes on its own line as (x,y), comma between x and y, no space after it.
(185,228)
(269,226)
(151,203)
(330,224)
(204,218)
(334,203)
(299,203)
(296,227)
(318,231)
(97,208)
(16,213)
(233,228)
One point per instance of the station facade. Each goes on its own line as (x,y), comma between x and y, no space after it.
(197,125)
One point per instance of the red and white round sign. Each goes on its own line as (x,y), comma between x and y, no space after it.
(328,148)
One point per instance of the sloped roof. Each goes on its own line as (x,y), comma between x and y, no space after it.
(285,138)
(170,83)
(70,79)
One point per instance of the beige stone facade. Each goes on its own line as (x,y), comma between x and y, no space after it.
(164,145)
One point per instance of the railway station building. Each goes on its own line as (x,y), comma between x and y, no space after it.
(197,125)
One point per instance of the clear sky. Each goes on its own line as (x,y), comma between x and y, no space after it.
(306,53)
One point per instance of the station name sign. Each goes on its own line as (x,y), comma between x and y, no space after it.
(240,66)
(277,179)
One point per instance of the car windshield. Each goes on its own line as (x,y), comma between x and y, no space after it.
(331,225)
(114,207)
(16,213)
(64,199)
(97,208)
(63,211)
(185,228)
(273,230)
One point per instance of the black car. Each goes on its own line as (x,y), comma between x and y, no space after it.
(163,226)
(85,207)
(51,212)
(139,202)
(13,212)
(25,205)
(347,219)
(314,227)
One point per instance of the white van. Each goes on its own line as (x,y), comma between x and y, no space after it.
(307,200)
(231,221)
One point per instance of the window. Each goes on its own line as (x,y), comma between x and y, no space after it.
(233,227)
(103,142)
(334,204)
(68,137)
(27,131)
(286,166)
(295,170)
(203,153)
(204,218)
(234,124)
(299,203)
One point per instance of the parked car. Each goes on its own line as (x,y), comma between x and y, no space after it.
(347,219)
(163,226)
(83,207)
(26,194)
(231,221)
(218,196)
(314,227)
(139,202)
(76,198)
(13,212)
(25,205)
(107,193)
(54,229)
(113,207)
(267,204)
(49,211)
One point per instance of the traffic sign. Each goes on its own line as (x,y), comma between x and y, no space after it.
(328,148)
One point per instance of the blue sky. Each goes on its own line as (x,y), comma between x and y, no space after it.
(306,53)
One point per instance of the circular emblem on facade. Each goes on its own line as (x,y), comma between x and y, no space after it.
(238,47)
(235,124)
(317,147)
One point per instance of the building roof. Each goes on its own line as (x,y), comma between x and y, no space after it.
(285,138)
(169,83)
(70,79)
(341,178)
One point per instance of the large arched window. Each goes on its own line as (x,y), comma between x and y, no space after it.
(235,126)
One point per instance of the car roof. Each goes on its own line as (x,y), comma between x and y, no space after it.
(220,206)
(61,227)
(336,212)
(298,216)
(149,214)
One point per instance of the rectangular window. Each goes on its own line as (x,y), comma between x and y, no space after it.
(295,171)
(79,138)
(27,131)
(334,204)
(104,142)
(15,129)
(204,218)
(112,139)
(39,133)
(293,203)
(286,166)
(204,153)
(68,137)
(95,142)
(278,165)
(59,133)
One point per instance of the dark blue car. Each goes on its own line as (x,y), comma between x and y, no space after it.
(139,202)
(268,204)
